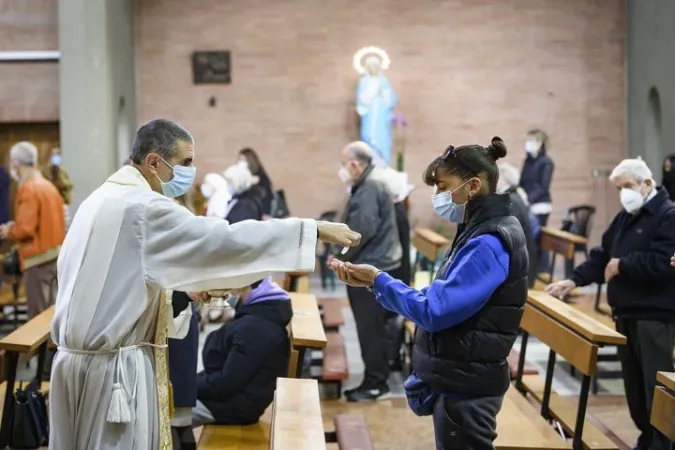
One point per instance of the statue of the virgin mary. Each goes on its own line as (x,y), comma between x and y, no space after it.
(375,101)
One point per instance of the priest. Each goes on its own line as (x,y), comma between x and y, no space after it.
(128,243)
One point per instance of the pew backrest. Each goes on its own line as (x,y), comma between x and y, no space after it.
(30,336)
(574,319)
(297,423)
(560,242)
(306,325)
(568,332)
(429,243)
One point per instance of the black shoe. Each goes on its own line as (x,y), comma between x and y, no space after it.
(367,394)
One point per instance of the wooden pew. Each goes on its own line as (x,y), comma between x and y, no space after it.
(296,282)
(296,416)
(331,314)
(520,427)
(295,423)
(351,433)
(306,328)
(30,338)
(557,242)
(663,405)
(430,245)
(576,337)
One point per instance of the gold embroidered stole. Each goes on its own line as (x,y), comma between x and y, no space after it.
(164,394)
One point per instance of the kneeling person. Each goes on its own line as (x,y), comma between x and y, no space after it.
(244,358)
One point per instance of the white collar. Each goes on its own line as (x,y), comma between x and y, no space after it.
(129,176)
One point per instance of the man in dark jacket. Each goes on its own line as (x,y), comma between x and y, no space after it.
(244,358)
(370,211)
(633,260)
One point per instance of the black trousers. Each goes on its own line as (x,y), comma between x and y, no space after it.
(649,349)
(373,337)
(466,424)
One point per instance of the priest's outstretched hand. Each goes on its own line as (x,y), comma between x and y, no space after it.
(337,233)
(358,275)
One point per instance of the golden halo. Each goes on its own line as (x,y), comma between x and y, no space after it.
(362,54)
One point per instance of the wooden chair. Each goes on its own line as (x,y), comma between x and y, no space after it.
(576,337)
(30,338)
(663,405)
(429,245)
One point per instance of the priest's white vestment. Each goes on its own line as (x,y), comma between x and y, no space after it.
(125,246)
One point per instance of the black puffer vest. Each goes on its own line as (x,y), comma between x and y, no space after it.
(470,358)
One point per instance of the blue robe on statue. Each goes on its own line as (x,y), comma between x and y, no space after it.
(375,103)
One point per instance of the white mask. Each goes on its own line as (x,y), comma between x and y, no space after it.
(631,200)
(344,175)
(531,148)
(207,191)
(14,173)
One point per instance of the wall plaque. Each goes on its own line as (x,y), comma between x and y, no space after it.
(211,67)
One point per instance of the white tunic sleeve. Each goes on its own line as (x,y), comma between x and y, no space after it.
(192,253)
(178,326)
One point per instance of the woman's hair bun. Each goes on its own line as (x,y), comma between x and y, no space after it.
(497,149)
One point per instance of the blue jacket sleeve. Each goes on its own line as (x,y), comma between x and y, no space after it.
(476,271)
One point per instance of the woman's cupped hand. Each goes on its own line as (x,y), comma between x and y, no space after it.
(357,275)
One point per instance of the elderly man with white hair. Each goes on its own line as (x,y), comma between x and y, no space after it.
(38,227)
(633,259)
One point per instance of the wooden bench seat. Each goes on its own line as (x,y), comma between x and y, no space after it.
(28,339)
(332,313)
(352,432)
(513,359)
(520,427)
(292,422)
(306,330)
(565,412)
(240,437)
(557,242)
(576,337)
(334,368)
(663,405)
(296,416)
(296,282)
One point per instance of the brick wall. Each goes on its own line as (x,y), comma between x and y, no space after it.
(464,71)
(29,92)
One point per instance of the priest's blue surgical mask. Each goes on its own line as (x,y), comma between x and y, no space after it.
(56,159)
(182,181)
(446,208)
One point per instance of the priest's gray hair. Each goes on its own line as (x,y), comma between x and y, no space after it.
(159,136)
(24,153)
(632,166)
(239,178)
(360,151)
